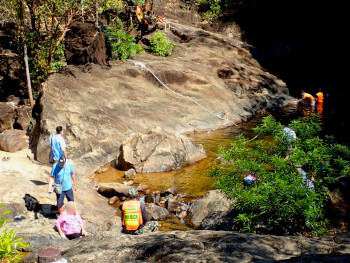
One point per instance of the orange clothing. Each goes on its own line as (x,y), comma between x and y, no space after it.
(319,97)
(132,215)
(308,98)
(139,13)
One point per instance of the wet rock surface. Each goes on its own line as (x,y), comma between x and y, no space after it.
(156,150)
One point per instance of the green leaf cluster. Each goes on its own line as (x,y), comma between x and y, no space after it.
(160,45)
(9,243)
(121,44)
(280,201)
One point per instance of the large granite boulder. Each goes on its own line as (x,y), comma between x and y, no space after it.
(85,43)
(13,140)
(156,150)
(7,116)
(212,211)
(104,105)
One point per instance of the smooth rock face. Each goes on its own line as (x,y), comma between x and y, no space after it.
(84,43)
(13,140)
(7,117)
(212,211)
(156,150)
(107,104)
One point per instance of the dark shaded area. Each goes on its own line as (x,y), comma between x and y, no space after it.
(302,43)
(295,40)
(84,43)
(316,258)
(12,74)
(36,182)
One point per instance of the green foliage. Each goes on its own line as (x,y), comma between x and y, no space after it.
(9,244)
(280,201)
(209,9)
(122,45)
(160,45)
(139,2)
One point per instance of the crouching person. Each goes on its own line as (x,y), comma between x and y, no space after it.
(134,216)
(69,224)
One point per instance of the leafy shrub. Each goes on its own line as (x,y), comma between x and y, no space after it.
(209,9)
(121,44)
(9,244)
(160,45)
(280,202)
(139,2)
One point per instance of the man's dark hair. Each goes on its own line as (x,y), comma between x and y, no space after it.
(59,129)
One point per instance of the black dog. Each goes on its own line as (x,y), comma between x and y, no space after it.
(32,204)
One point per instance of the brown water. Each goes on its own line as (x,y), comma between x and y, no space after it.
(193,179)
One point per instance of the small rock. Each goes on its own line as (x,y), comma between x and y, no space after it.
(142,187)
(175,205)
(113,200)
(101,170)
(128,182)
(172,190)
(129,173)
(156,212)
(113,189)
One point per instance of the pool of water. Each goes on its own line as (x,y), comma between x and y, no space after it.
(193,179)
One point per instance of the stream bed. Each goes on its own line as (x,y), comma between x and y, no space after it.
(193,179)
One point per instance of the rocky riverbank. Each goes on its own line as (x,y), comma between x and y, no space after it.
(199,247)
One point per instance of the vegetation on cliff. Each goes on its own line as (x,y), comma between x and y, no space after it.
(281,201)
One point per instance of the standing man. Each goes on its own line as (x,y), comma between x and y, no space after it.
(63,173)
(134,216)
(58,145)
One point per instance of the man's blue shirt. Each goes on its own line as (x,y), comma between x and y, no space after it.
(57,171)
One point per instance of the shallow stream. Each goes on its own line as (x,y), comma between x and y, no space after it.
(193,179)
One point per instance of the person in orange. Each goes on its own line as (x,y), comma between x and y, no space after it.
(134,216)
(320,96)
(139,13)
(308,98)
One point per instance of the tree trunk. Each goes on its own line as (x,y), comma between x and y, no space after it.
(97,7)
(30,93)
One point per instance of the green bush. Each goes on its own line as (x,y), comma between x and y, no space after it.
(160,45)
(139,2)
(121,44)
(9,244)
(280,202)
